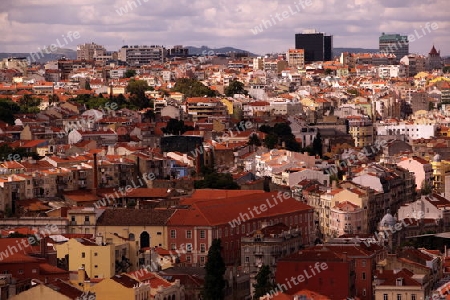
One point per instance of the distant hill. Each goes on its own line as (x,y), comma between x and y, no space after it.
(60,52)
(203,50)
(338,51)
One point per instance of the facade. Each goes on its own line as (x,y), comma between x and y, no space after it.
(394,44)
(296,58)
(317,46)
(421,168)
(361,129)
(200,107)
(97,260)
(142,55)
(347,218)
(90,51)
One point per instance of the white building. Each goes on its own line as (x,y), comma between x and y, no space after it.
(391,71)
(411,131)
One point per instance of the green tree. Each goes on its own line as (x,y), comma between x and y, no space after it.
(28,104)
(253,140)
(176,127)
(235,87)
(270,141)
(137,90)
(213,288)
(214,180)
(263,282)
(192,88)
(129,73)
(7,111)
(317,146)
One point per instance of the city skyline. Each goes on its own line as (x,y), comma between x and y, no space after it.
(26,26)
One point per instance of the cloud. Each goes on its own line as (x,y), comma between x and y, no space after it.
(28,24)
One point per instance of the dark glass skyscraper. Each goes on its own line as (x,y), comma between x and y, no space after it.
(317,46)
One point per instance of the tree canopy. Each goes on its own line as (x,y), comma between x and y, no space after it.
(263,283)
(193,88)
(278,135)
(216,180)
(7,110)
(235,87)
(213,288)
(176,127)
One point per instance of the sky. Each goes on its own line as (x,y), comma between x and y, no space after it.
(258,26)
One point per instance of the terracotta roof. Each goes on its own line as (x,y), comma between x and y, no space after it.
(125,280)
(135,217)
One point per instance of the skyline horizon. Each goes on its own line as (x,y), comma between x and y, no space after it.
(259,26)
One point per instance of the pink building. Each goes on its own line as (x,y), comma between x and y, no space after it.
(346,218)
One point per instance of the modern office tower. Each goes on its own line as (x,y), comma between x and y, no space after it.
(89,51)
(394,44)
(142,55)
(317,45)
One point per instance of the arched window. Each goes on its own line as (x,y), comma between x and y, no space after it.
(131,237)
(144,239)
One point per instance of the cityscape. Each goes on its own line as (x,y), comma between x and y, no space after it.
(301,152)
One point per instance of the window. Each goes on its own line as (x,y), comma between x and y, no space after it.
(86,218)
(188,234)
(173,234)
(363,263)
(189,247)
(95,266)
(399,296)
(188,259)
(202,260)
(34,271)
(202,234)
(73,218)
(83,255)
(247,259)
(385,297)
(413,296)
(202,248)
(226,232)
(364,292)
(95,253)
(20,271)
(364,275)
(173,246)
(243,229)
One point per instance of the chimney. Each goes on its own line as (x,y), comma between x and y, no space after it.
(94,190)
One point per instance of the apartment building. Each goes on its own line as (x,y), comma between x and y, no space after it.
(296,58)
(139,55)
(89,51)
(202,107)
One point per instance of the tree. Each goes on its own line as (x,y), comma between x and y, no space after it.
(263,282)
(7,111)
(253,139)
(129,73)
(213,288)
(176,127)
(192,88)
(317,146)
(214,180)
(137,90)
(235,87)
(270,141)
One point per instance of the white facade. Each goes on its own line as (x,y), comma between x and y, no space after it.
(391,71)
(411,131)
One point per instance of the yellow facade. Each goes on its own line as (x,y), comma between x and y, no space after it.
(228,104)
(118,235)
(82,220)
(393,292)
(98,261)
(40,292)
(441,168)
(109,289)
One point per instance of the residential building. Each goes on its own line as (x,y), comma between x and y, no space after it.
(347,218)
(120,287)
(142,55)
(422,169)
(97,260)
(296,58)
(362,130)
(398,285)
(89,51)
(200,107)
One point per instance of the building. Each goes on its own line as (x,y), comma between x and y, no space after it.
(361,129)
(200,107)
(142,55)
(398,284)
(394,44)
(317,46)
(434,60)
(90,51)
(296,58)
(97,260)
(266,245)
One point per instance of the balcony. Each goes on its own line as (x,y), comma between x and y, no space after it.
(258,253)
(72,223)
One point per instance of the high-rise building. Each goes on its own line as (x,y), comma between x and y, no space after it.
(394,44)
(89,51)
(317,45)
(142,55)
